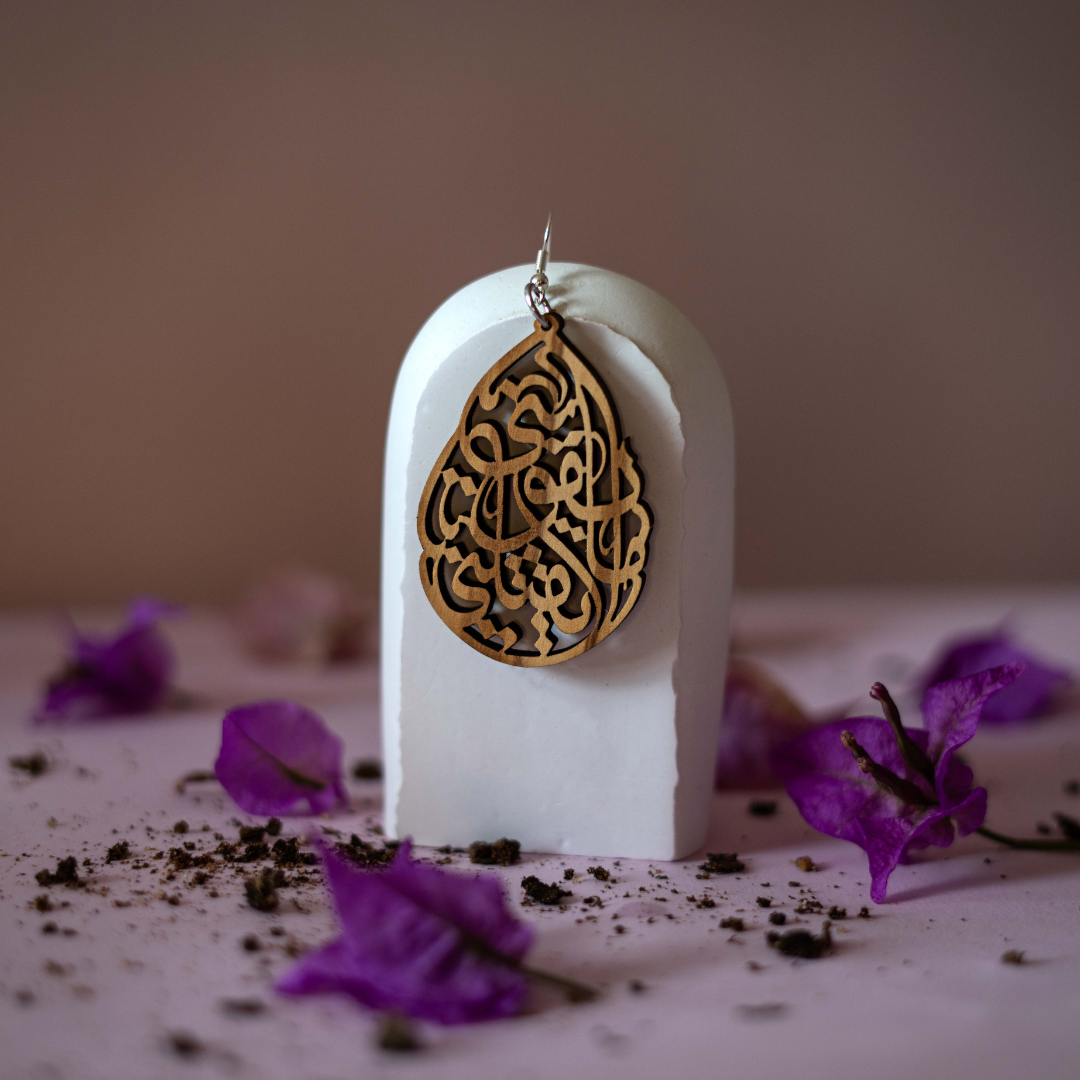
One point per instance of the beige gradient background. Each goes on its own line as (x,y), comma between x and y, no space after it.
(222,223)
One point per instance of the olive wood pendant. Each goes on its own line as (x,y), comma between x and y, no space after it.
(534,532)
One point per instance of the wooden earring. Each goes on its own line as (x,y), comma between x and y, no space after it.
(534,532)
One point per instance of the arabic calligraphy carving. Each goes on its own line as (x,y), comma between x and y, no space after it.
(534,532)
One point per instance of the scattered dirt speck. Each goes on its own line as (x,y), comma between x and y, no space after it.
(184,1044)
(717,862)
(502,852)
(398,1034)
(801,944)
(540,893)
(367,769)
(32,764)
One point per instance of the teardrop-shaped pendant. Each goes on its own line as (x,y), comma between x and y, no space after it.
(534,532)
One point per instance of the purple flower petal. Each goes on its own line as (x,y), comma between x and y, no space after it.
(146,610)
(896,838)
(1027,697)
(885,841)
(123,675)
(277,754)
(838,799)
(436,945)
(759,715)
(951,712)
(831,793)
(971,813)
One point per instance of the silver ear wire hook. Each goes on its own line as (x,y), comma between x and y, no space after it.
(536,289)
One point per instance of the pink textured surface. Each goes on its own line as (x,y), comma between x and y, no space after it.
(919,989)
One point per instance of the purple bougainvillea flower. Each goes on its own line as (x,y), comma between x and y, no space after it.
(759,715)
(1027,697)
(122,675)
(276,755)
(433,944)
(889,789)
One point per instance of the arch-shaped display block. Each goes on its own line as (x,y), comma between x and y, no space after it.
(610,752)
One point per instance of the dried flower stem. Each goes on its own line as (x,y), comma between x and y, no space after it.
(575,991)
(1029,845)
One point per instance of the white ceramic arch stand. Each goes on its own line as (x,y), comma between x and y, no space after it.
(611,752)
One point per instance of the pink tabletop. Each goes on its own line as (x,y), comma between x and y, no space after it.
(916,990)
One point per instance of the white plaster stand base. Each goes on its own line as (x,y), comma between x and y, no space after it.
(610,753)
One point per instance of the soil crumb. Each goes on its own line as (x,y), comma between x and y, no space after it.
(540,893)
(718,862)
(242,1006)
(367,769)
(398,1034)
(32,764)
(184,1044)
(801,944)
(66,873)
(261,890)
(118,852)
(502,852)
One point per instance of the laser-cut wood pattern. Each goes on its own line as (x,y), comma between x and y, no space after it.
(534,532)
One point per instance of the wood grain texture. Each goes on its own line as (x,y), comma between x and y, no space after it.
(533,528)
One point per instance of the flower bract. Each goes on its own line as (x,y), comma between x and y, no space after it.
(894,793)
(125,674)
(429,943)
(278,757)
(1028,696)
(758,716)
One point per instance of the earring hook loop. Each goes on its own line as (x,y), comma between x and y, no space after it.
(536,289)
